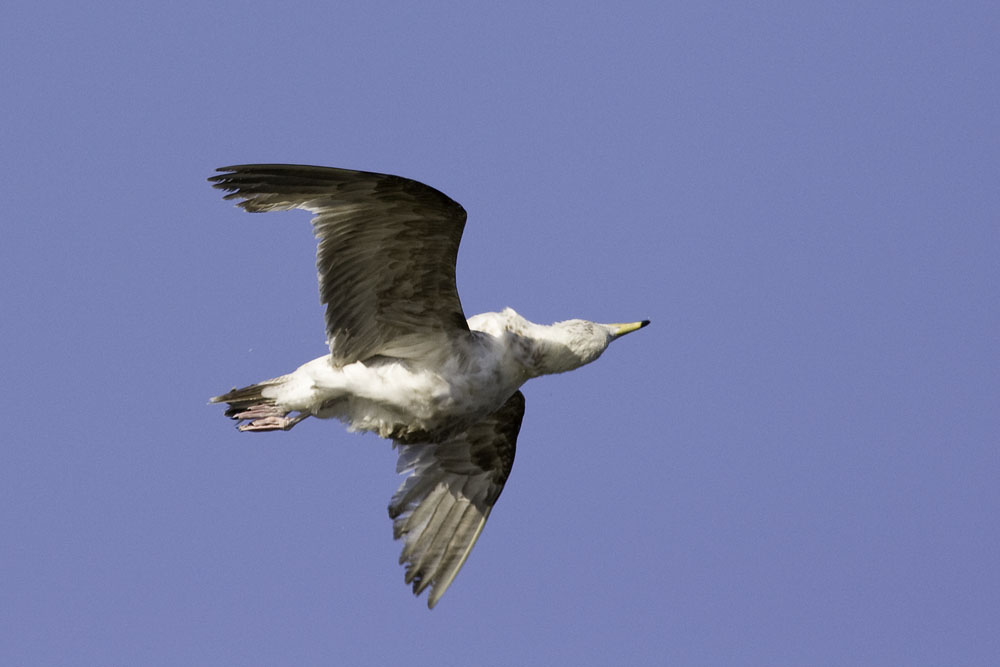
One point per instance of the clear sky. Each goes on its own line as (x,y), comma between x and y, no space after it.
(797,463)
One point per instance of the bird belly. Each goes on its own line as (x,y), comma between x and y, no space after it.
(393,398)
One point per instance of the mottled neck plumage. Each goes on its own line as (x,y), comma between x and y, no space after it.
(563,346)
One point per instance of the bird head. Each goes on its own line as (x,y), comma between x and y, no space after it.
(575,343)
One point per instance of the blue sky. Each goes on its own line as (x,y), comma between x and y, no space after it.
(796,463)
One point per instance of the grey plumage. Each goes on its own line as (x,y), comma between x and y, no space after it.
(386,254)
(440,510)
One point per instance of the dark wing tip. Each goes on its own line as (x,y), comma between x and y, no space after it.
(275,169)
(228,172)
(267,187)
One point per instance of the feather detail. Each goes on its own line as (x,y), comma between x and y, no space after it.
(440,509)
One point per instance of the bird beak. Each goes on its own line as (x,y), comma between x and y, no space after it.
(618,330)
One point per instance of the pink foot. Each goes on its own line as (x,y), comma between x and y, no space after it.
(272,423)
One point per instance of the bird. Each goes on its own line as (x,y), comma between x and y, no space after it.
(404,361)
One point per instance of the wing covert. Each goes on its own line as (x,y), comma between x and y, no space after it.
(386,254)
(441,508)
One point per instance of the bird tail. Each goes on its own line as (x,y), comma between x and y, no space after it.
(256,410)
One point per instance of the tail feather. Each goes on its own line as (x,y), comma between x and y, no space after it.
(260,412)
(245,398)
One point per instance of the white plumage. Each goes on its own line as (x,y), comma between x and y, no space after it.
(404,362)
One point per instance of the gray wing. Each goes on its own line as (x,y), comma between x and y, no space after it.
(441,509)
(386,256)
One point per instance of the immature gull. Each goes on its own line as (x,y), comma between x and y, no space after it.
(404,362)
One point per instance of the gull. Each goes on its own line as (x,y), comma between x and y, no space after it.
(404,361)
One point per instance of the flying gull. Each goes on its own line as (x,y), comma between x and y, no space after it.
(404,361)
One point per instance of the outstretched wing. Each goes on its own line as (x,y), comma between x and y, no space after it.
(386,256)
(441,508)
